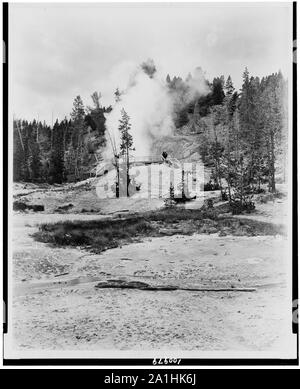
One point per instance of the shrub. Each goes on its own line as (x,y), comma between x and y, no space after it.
(170,201)
(209,186)
(19,206)
(238,207)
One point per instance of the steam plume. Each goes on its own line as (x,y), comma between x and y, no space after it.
(149,103)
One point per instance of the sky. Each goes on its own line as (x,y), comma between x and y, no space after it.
(59,51)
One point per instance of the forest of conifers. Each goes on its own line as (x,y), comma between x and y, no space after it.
(243,134)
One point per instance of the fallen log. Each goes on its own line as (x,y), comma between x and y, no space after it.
(120,211)
(122,284)
(219,289)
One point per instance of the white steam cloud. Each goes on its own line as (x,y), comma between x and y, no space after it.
(149,103)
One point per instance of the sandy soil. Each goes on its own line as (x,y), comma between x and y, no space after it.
(57,307)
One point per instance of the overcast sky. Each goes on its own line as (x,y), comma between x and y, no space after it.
(59,51)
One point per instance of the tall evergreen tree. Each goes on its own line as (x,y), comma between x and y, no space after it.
(57,155)
(126,145)
(229,88)
(78,112)
(35,162)
(78,130)
(217,95)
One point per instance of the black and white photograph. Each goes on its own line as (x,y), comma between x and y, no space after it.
(150,181)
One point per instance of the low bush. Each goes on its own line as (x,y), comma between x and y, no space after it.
(238,207)
(209,186)
(102,234)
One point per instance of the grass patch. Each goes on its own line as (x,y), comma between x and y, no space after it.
(103,234)
(100,234)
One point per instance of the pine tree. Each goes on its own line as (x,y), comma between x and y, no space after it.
(229,88)
(57,155)
(78,112)
(126,145)
(32,152)
(251,134)
(217,95)
(35,162)
(79,127)
(273,123)
(126,137)
(170,200)
(217,143)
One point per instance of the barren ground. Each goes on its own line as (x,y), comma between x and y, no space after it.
(57,307)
